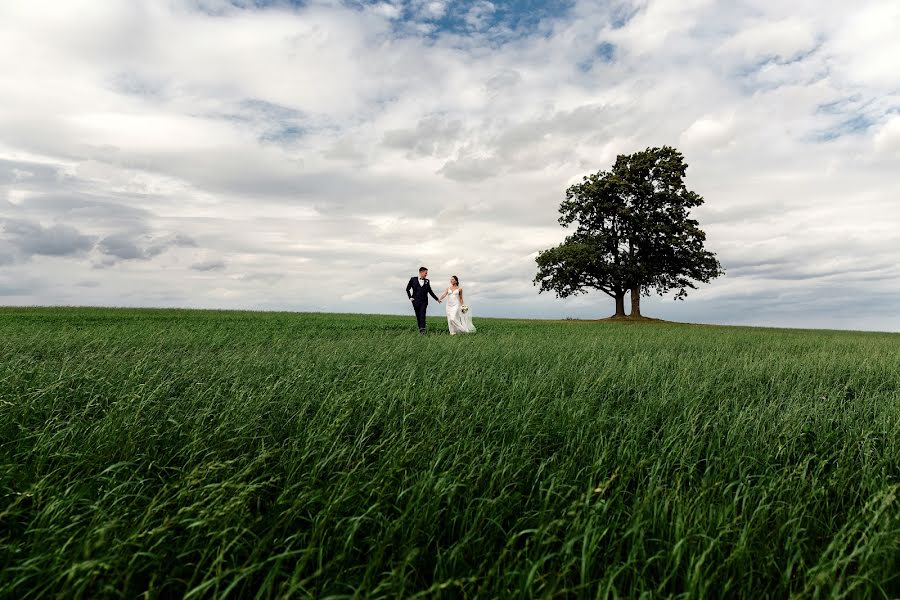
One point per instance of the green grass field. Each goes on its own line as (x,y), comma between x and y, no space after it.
(240,454)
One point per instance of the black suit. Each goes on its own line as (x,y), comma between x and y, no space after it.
(419,296)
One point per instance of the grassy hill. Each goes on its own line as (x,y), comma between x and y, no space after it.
(227,454)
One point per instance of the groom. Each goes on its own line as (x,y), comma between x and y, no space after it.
(418,289)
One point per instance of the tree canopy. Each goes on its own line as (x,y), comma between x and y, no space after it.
(632,232)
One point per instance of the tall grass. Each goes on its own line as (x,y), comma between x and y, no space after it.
(229,454)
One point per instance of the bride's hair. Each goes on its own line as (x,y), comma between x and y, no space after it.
(456,278)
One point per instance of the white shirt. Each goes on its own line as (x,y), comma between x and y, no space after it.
(421,282)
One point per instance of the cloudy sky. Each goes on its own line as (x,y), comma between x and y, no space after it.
(311,155)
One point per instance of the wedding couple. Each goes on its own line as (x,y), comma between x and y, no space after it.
(459,319)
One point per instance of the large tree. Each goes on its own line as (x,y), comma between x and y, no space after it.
(632,232)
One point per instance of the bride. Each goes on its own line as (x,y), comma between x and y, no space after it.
(457,320)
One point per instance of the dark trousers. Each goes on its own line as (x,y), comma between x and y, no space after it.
(420,308)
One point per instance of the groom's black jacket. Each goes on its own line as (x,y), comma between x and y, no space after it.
(419,293)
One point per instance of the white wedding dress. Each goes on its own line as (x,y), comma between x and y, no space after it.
(457,320)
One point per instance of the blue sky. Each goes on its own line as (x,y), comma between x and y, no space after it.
(310,156)
(503,19)
(454,16)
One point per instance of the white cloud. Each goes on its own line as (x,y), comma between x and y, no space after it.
(709,132)
(435,10)
(479,12)
(215,154)
(388,10)
(887,140)
(865,46)
(783,40)
(658,22)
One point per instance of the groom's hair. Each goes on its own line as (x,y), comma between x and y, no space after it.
(422,269)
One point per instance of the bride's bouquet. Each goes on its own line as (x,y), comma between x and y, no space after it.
(465,319)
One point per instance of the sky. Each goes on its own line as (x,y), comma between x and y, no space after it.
(310,156)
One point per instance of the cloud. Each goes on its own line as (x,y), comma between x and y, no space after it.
(478,13)
(321,146)
(865,46)
(125,247)
(709,132)
(433,9)
(887,140)
(209,265)
(265,278)
(29,239)
(471,168)
(503,82)
(432,136)
(388,10)
(120,246)
(784,40)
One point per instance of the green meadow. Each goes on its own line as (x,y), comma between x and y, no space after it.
(210,454)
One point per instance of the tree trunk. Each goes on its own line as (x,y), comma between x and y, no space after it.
(635,303)
(620,305)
